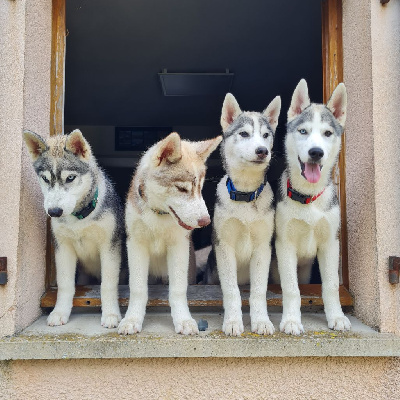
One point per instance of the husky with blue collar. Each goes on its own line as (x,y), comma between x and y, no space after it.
(244,214)
(86,220)
(307,211)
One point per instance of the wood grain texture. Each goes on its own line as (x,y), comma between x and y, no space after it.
(57,89)
(198,295)
(332,59)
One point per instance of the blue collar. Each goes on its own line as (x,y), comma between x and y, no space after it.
(235,195)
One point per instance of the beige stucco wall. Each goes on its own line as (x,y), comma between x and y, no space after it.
(25,38)
(274,378)
(371,71)
(371,41)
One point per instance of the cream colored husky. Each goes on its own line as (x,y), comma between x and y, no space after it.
(164,205)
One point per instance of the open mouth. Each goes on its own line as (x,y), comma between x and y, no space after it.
(180,222)
(310,171)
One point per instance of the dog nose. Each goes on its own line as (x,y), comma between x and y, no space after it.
(316,153)
(55,212)
(261,152)
(204,221)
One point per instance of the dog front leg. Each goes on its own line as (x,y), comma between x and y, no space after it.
(291,301)
(110,265)
(66,259)
(227,271)
(259,270)
(178,265)
(328,259)
(138,260)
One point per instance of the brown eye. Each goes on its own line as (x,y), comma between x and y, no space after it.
(328,133)
(181,189)
(244,134)
(45,179)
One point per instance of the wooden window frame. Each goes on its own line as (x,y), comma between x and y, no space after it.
(204,295)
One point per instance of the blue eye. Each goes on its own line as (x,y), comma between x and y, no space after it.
(302,131)
(70,178)
(244,134)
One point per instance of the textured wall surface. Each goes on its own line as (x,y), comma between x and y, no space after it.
(386,123)
(274,378)
(25,38)
(360,167)
(371,41)
(371,70)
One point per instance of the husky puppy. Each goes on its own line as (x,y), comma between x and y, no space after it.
(86,220)
(244,214)
(164,204)
(307,212)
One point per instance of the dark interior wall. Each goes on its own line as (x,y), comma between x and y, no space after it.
(116,48)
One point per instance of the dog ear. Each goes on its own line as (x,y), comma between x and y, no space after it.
(338,103)
(230,111)
(206,147)
(78,145)
(35,144)
(272,112)
(169,149)
(300,100)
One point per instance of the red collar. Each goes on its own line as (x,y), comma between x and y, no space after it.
(301,198)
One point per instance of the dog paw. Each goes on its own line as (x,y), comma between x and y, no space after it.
(341,323)
(129,326)
(110,320)
(262,327)
(233,327)
(57,318)
(291,327)
(187,327)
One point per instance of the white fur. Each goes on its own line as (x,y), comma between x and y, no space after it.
(243,230)
(157,244)
(87,240)
(306,231)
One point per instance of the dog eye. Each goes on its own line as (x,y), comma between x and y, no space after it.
(244,134)
(328,133)
(181,189)
(70,178)
(45,179)
(302,131)
(265,135)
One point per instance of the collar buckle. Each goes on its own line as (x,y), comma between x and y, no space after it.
(236,195)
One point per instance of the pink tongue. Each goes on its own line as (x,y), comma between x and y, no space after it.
(312,172)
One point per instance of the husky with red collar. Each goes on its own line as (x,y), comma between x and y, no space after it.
(307,216)
(163,206)
(244,214)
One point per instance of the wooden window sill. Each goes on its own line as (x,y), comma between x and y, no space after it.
(198,296)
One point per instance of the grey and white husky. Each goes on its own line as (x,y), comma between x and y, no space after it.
(86,220)
(244,214)
(307,212)
(164,204)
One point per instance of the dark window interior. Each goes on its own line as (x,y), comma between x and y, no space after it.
(115,50)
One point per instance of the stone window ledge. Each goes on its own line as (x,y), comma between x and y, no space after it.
(83,337)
